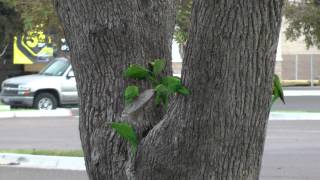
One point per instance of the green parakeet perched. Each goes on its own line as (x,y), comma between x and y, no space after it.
(277,89)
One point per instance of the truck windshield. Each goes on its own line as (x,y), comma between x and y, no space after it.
(55,68)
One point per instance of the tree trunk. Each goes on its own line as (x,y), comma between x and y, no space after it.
(2,52)
(105,36)
(218,131)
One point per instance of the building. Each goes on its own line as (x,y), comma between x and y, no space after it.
(293,62)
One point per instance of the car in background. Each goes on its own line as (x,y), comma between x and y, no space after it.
(52,87)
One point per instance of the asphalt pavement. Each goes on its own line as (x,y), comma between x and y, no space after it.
(292,150)
(12,173)
(305,99)
(298,103)
(40,133)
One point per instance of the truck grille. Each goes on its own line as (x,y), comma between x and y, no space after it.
(9,92)
(10,85)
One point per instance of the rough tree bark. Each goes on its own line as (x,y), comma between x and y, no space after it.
(218,131)
(105,36)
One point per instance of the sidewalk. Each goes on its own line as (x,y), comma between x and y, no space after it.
(42,162)
(294,116)
(301,92)
(60,112)
(274,115)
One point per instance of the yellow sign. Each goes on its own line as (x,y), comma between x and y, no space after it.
(35,47)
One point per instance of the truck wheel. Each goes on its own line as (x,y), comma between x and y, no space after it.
(45,101)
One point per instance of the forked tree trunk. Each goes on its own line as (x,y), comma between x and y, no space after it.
(105,36)
(218,131)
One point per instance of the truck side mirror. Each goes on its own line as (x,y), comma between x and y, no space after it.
(70,74)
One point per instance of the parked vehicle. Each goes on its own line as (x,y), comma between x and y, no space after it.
(53,86)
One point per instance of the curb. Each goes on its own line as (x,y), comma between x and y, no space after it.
(75,112)
(301,93)
(42,162)
(294,116)
(40,113)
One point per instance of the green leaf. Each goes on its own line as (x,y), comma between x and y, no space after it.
(162,90)
(131,92)
(158,99)
(137,72)
(172,83)
(184,91)
(158,66)
(162,94)
(126,132)
(153,80)
(277,88)
(165,100)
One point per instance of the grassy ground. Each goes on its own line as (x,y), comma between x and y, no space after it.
(6,108)
(71,153)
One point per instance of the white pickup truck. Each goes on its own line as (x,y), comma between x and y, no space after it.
(53,86)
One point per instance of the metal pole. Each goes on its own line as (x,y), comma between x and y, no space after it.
(297,66)
(311,69)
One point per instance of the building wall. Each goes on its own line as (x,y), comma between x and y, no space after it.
(298,67)
(278,68)
(289,51)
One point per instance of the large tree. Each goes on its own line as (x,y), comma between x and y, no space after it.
(303,21)
(218,131)
(10,24)
(38,15)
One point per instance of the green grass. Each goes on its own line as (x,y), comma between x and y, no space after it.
(6,108)
(22,109)
(71,153)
